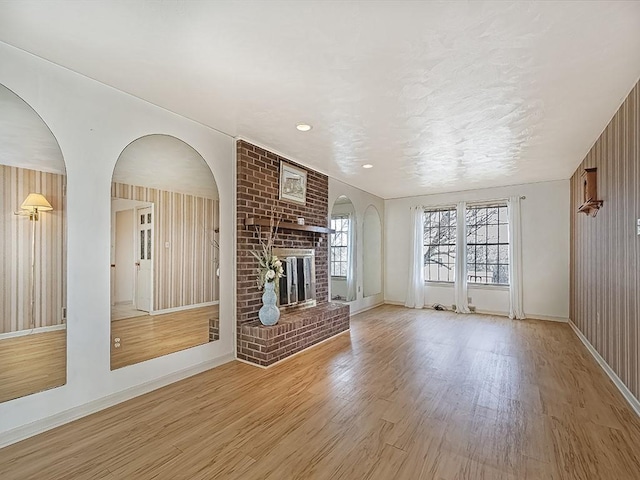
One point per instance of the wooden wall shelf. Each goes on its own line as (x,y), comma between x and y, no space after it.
(590,205)
(266,222)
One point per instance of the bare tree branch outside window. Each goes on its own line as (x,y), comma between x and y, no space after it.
(487,252)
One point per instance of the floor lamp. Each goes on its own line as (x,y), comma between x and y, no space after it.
(31,207)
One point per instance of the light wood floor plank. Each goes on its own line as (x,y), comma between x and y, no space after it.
(150,336)
(32,363)
(405,394)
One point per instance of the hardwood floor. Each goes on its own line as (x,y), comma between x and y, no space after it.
(406,394)
(151,336)
(32,363)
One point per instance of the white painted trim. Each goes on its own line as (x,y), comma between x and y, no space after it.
(33,331)
(626,393)
(185,307)
(40,426)
(497,314)
(295,354)
(548,318)
(234,249)
(545,318)
(365,309)
(393,302)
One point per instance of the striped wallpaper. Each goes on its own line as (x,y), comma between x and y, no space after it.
(184,273)
(605,250)
(15,249)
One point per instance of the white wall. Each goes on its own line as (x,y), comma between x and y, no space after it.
(545,231)
(125,257)
(372,252)
(361,200)
(93,123)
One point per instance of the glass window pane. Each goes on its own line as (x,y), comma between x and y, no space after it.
(503,254)
(148,244)
(481,254)
(471,254)
(492,234)
(492,254)
(502,215)
(503,232)
(481,234)
(141,244)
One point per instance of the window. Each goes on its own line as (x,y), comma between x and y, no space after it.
(487,245)
(440,245)
(339,245)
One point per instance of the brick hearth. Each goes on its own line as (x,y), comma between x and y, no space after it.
(258,175)
(294,332)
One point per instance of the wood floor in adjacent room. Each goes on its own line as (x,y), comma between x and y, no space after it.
(150,336)
(405,395)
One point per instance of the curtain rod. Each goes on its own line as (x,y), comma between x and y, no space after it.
(479,202)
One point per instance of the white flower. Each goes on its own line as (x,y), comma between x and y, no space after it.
(274,258)
(277,263)
(270,275)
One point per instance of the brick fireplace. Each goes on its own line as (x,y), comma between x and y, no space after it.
(258,174)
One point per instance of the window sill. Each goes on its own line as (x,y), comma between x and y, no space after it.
(478,286)
(487,286)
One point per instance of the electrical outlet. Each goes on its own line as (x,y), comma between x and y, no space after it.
(469,300)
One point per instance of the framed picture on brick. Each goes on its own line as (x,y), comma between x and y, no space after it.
(293,183)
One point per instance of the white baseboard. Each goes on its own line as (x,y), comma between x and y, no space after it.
(33,331)
(40,426)
(184,307)
(533,316)
(393,302)
(626,393)
(366,309)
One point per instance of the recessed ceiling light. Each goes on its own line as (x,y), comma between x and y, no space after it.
(303,127)
(367,165)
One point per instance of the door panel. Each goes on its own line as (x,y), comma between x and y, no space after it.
(144,261)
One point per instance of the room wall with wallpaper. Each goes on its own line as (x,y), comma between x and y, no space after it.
(185,231)
(15,248)
(605,250)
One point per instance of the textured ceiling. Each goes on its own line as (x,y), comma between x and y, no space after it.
(166,163)
(25,140)
(438,96)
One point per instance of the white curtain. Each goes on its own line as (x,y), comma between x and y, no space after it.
(351,260)
(460,285)
(515,259)
(415,290)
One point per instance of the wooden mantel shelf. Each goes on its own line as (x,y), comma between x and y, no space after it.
(266,222)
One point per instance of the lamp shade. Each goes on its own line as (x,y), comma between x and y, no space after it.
(36,201)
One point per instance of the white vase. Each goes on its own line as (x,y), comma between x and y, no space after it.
(269,313)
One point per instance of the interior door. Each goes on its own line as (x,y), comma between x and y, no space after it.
(144,262)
